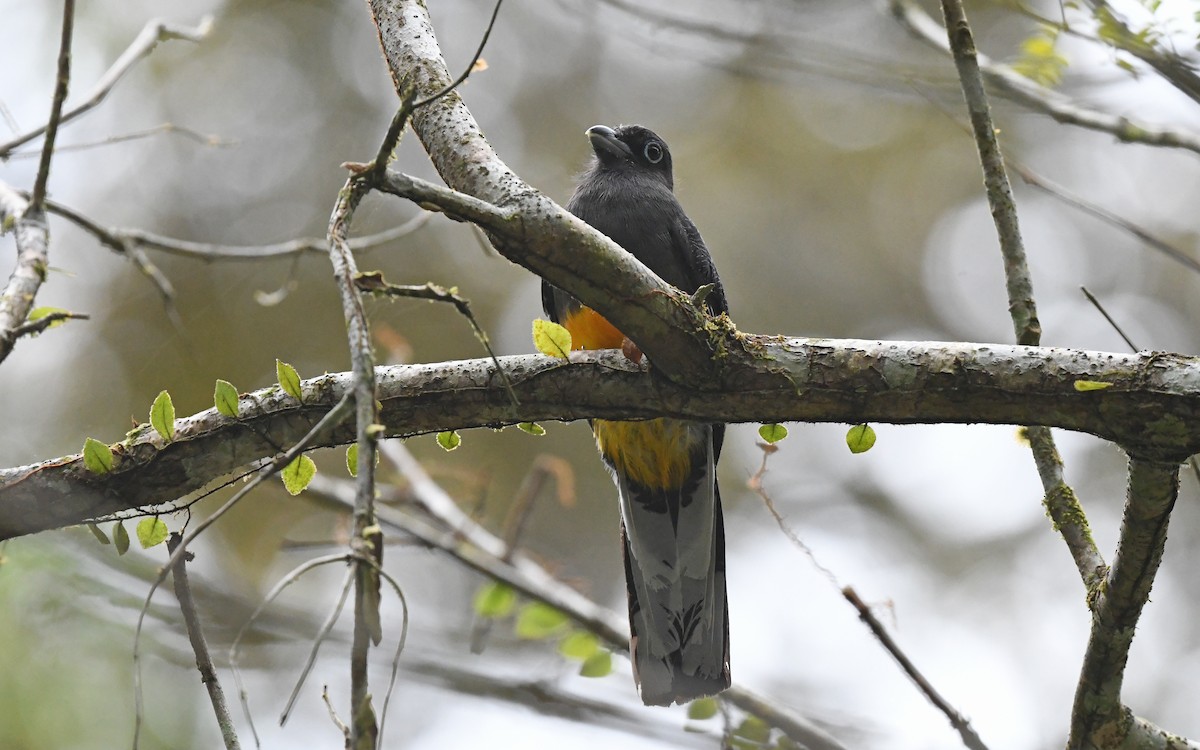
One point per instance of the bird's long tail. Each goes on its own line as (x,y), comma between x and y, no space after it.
(674,544)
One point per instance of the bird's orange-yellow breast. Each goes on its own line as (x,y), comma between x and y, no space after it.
(655,453)
(591,330)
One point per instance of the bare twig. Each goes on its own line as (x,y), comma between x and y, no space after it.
(1016,87)
(234,657)
(1099,307)
(373,283)
(470,66)
(150,36)
(969,737)
(322,634)
(208,673)
(470,544)
(1061,193)
(120,240)
(166,127)
(333,417)
(61,83)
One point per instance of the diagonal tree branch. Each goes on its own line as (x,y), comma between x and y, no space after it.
(33,259)
(554,244)
(1099,719)
(1017,88)
(150,36)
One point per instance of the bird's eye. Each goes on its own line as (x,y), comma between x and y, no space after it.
(653,152)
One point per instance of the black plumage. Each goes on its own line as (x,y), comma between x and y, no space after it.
(665,470)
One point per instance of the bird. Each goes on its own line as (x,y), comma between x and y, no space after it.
(672,529)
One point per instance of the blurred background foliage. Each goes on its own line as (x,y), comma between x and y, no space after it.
(820,150)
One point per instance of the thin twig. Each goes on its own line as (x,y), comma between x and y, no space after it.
(34,327)
(373,283)
(149,37)
(1016,87)
(466,541)
(332,418)
(234,658)
(969,737)
(164,128)
(208,673)
(322,634)
(120,239)
(470,67)
(1192,461)
(61,83)
(958,721)
(1061,193)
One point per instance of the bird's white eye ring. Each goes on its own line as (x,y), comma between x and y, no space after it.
(653,152)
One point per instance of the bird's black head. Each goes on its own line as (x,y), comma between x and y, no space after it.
(631,148)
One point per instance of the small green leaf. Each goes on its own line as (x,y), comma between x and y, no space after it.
(860,438)
(151,532)
(754,729)
(99,534)
(38,313)
(702,708)
(772,433)
(494,600)
(298,474)
(579,645)
(352,459)
(533,428)
(449,440)
(551,339)
(120,538)
(225,398)
(537,621)
(289,379)
(162,416)
(598,664)
(97,457)
(1091,385)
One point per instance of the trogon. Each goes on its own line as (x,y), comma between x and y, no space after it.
(664,469)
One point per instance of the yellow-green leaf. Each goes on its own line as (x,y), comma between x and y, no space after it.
(1091,385)
(225,398)
(99,534)
(754,729)
(97,457)
(537,621)
(772,433)
(352,459)
(579,645)
(120,538)
(702,708)
(551,339)
(598,664)
(449,440)
(38,313)
(533,428)
(860,438)
(162,416)
(289,379)
(151,532)
(494,600)
(298,474)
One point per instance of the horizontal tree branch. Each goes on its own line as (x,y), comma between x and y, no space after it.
(1148,403)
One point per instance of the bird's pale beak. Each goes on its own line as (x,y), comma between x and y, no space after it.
(606,145)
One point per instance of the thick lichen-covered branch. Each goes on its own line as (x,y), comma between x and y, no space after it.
(1151,406)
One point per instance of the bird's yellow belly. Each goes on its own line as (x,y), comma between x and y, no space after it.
(656,453)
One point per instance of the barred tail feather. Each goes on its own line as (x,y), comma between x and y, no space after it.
(675,571)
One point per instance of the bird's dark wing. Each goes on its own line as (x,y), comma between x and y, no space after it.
(694,256)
